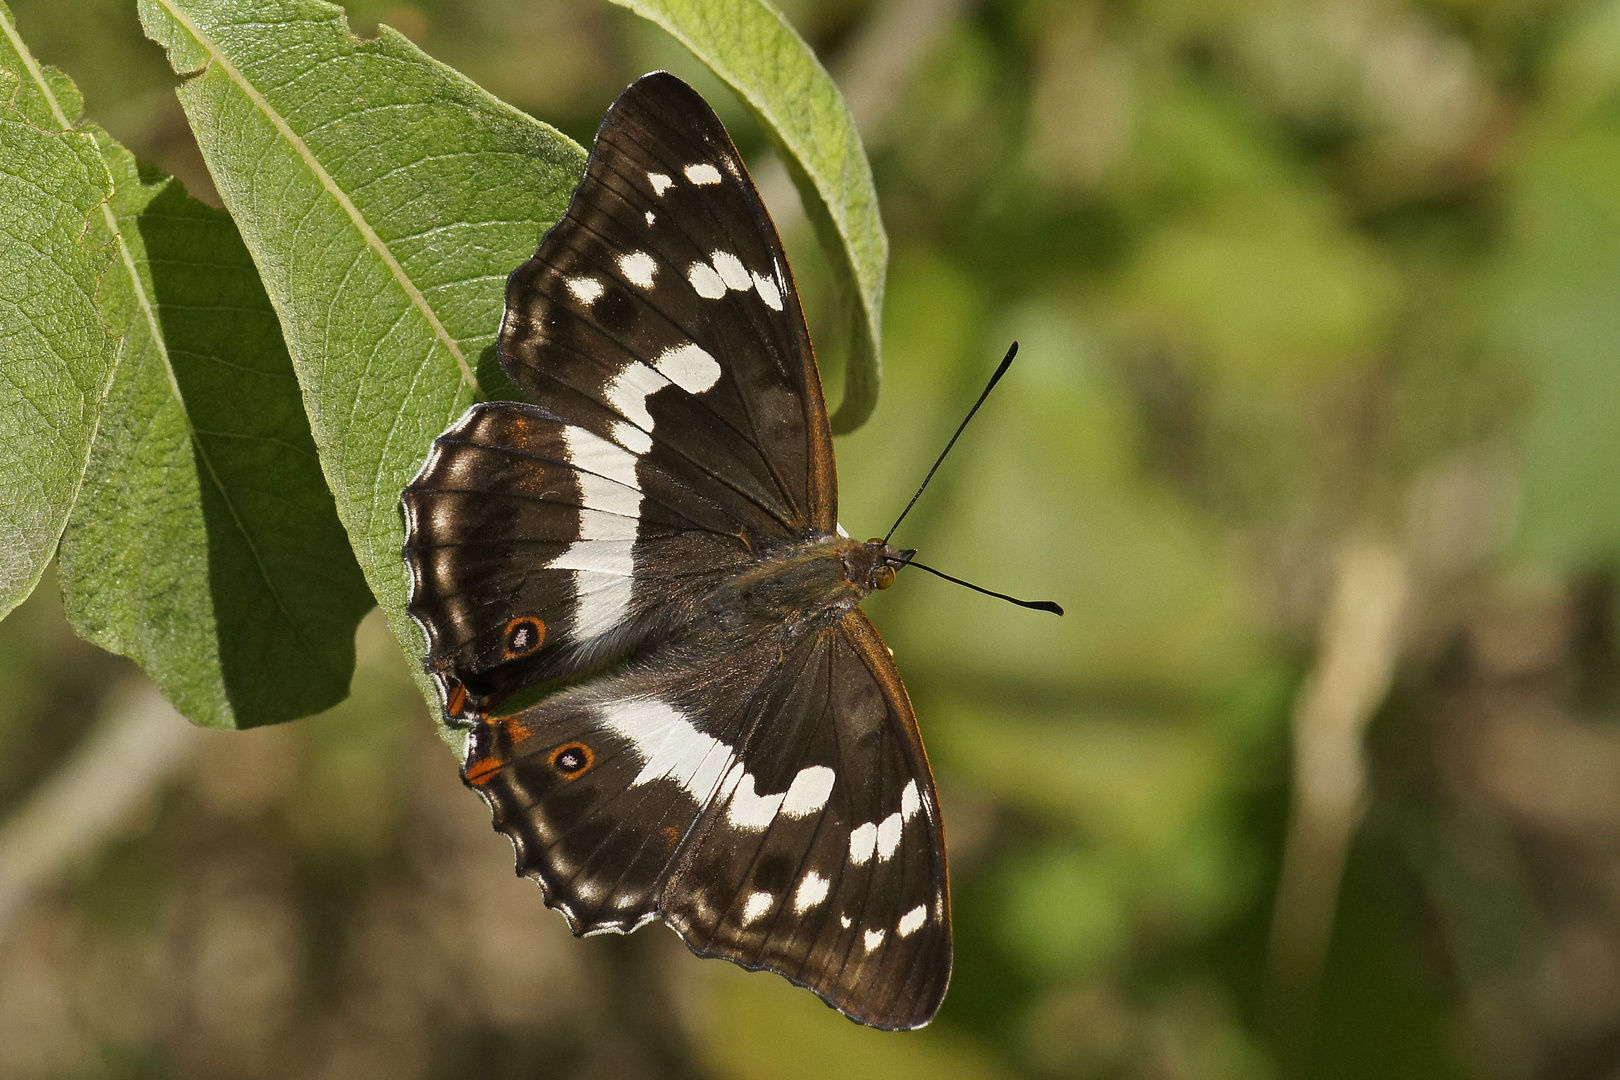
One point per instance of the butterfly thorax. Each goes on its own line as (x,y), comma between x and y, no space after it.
(804,585)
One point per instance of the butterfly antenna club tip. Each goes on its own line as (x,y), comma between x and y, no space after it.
(1036,605)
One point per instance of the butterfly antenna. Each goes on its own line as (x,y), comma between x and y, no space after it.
(1006,363)
(1038,605)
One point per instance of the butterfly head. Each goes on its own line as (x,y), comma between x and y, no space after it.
(873,565)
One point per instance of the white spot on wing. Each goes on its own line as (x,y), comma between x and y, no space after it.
(689,367)
(605,554)
(608,517)
(745,808)
(862,841)
(708,284)
(732,271)
(651,217)
(594,454)
(638,268)
(758,904)
(888,837)
(668,744)
(843,920)
(601,557)
(874,938)
(909,802)
(912,921)
(768,292)
(702,173)
(603,601)
(809,790)
(587,290)
(660,183)
(634,439)
(812,891)
(628,393)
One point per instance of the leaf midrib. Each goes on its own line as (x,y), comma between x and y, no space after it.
(367,233)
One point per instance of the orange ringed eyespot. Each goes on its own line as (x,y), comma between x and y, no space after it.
(524,636)
(572,759)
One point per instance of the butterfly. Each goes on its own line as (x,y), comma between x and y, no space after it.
(725,742)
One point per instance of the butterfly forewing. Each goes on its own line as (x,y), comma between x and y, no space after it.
(663,295)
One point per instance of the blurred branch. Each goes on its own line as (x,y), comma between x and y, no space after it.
(1359,646)
(872,71)
(139,743)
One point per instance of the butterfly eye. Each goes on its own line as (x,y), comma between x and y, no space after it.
(523,636)
(883,576)
(572,759)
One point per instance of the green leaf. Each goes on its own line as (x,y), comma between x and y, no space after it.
(57,358)
(385,199)
(754,49)
(204,544)
(207,546)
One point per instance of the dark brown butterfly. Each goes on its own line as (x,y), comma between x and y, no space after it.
(733,750)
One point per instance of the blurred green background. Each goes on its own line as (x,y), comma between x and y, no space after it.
(1315,432)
